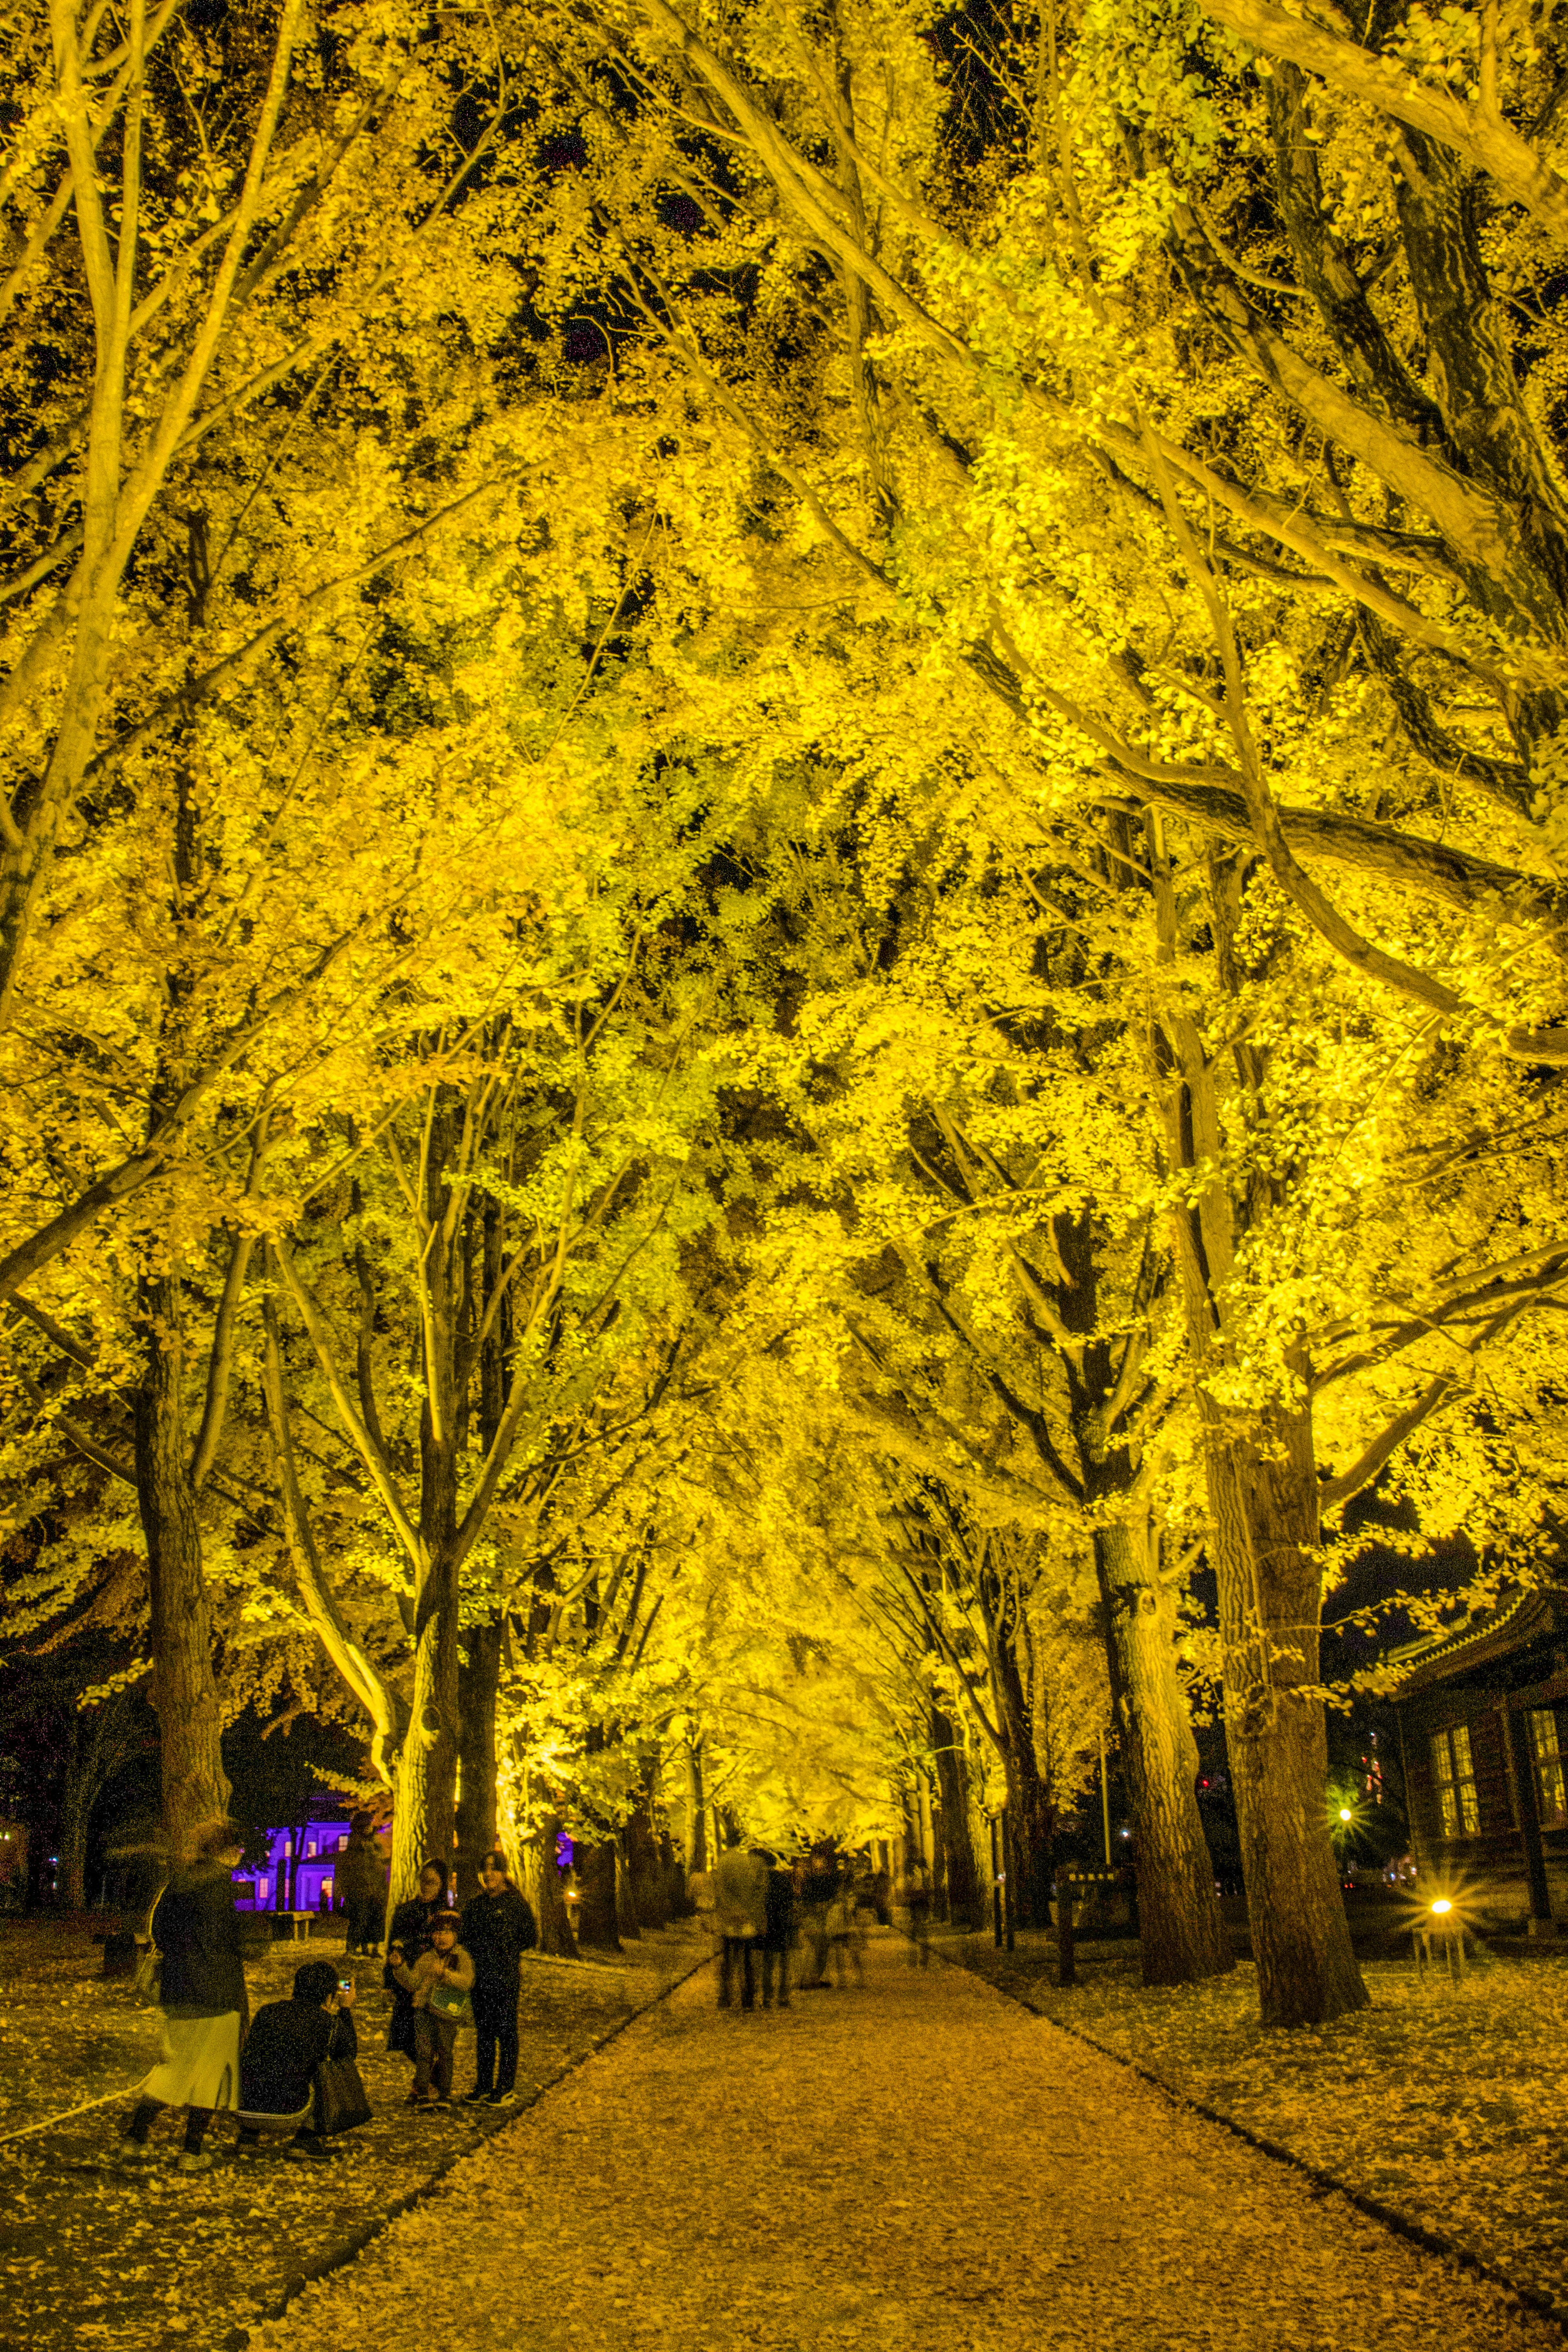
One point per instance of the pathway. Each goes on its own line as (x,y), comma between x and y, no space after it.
(916,2164)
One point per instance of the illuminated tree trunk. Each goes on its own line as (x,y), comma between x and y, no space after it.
(196,1787)
(1182,1934)
(1263,1513)
(1263,1504)
(965,1905)
(478,1684)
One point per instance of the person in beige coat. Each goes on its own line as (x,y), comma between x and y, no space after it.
(439,1980)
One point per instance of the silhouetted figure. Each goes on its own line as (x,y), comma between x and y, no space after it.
(818,1891)
(917,1902)
(778,1933)
(740,1918)
(359,1878)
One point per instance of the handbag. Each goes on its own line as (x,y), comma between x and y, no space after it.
(454,2006)
(340,2101)
(148,1981)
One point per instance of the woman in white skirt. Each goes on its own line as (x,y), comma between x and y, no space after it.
(201,1992)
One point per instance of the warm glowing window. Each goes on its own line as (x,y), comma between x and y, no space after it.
(1546,1753)
(1455,1777)
(261,1886)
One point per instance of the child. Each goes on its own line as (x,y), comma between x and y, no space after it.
(445,1969)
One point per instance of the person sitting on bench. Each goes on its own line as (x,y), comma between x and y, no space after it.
(285,2045)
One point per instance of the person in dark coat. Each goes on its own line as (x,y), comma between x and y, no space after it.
(201,1992)
(361,1879)
(778,1934)
(284,2047)
(410,1927)
(816,1893)
(498,1928)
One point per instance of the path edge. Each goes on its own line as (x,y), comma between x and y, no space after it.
(348,2248)
(1399,2225)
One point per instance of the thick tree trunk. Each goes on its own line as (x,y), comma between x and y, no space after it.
(648,1888)
(626,1911)
(478,1683)
(965,1903)
(1263,1513)
(541,1886)
(598,1926)
(1182,1934)
(196,1787)
(1034,1821)
(424,1818)
(1263,1501)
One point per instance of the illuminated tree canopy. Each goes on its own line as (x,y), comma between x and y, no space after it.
(782,899)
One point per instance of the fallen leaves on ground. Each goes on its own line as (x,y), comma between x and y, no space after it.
(112,2262)
(915,2164)
(1444,2100)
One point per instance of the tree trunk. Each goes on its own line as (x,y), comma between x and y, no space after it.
(597,1925)
(76,1805)
(423,1818)
(626,1912)
(1182,1934)
(541,1886)
(1033,1816)
(648,1890)
(196,1787)
(696,1809)
(1263,1514)
(965,1904)
(1263,1503)
(478,1683)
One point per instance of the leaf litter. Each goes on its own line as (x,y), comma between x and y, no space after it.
(110,2261)
(1444,2100)
(919,2163)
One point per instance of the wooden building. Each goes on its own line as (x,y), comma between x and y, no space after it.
(1483,1723)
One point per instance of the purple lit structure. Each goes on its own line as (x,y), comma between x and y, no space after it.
(297,1873)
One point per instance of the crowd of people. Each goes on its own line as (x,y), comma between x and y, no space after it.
(766,1908)
(289,2073)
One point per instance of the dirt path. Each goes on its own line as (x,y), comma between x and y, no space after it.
(918,2164)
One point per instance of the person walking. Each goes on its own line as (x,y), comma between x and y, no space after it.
(410,1930)
(740,1918)
(499,1926)
(201,1992)
(778,1932)
(361,1879)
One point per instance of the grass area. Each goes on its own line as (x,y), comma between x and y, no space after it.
(1443,2101)
(102,2261)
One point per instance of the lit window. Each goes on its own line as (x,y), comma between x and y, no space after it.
(261,1886)
(311,1851)
(1546,1752)
(1455,1777)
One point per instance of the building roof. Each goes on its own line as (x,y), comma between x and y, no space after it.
(1442,1657)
